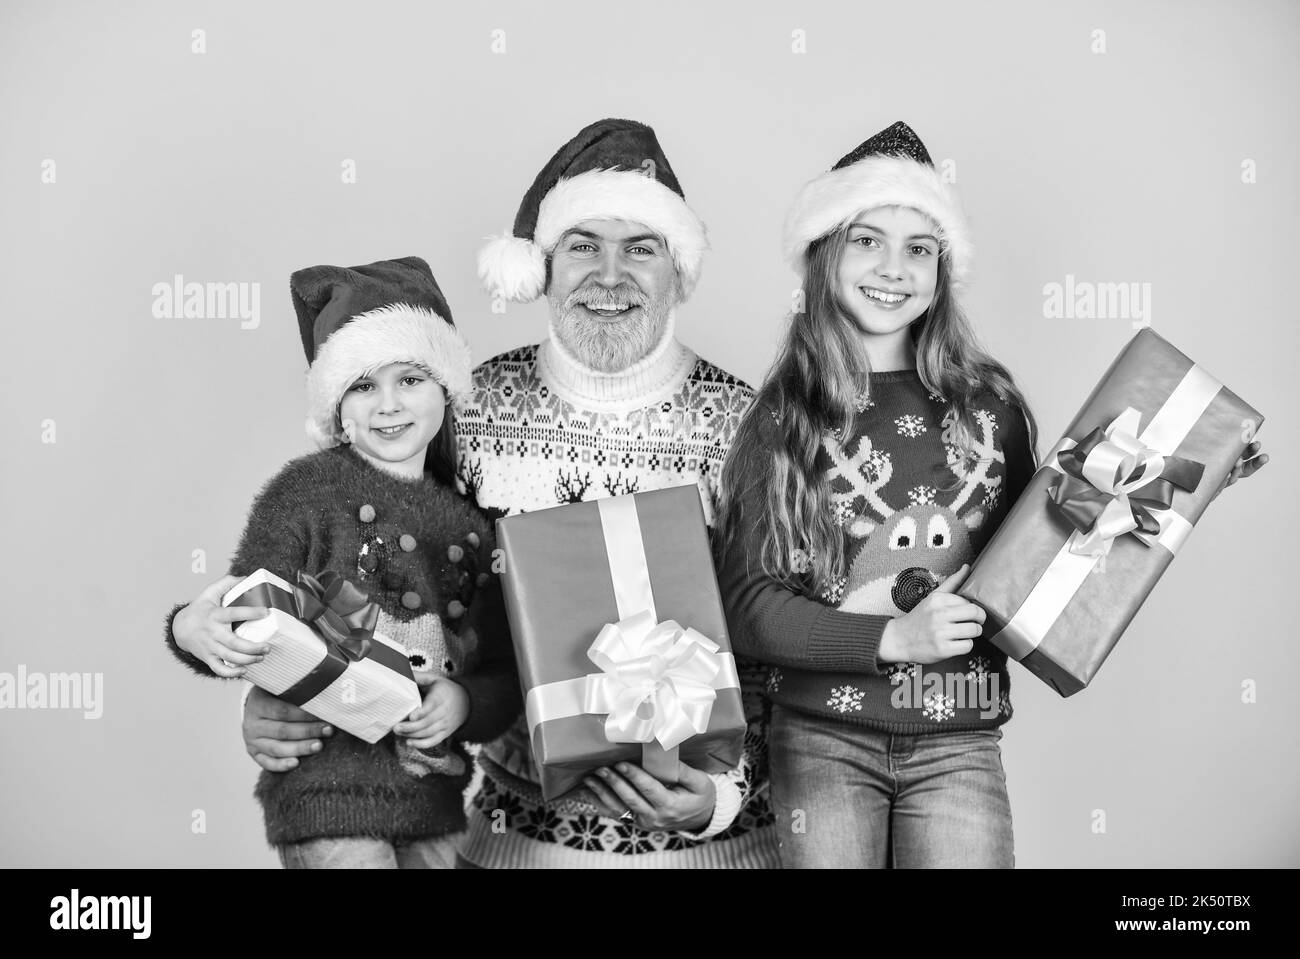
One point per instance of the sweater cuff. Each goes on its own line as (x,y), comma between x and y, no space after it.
(471,728)
(485,720)
(188,659)
(847,641)
(726,807)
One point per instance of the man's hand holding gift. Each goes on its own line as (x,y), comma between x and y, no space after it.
(276,733)
(628,792)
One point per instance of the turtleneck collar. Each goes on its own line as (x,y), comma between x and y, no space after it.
(651,379)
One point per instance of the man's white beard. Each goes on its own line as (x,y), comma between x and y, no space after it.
(609,345)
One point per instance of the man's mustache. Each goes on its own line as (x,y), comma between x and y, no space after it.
(605,297)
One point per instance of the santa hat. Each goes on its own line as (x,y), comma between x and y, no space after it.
(354,320)
(612,170)
(892,168)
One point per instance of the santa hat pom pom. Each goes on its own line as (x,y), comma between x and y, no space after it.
(512,267)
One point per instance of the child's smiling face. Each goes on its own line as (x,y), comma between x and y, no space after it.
(889,269)
(394,413)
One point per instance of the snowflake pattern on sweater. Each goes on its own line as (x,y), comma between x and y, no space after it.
(573,824)
(516,432)
(524,447)
(913,506)
(898,550)
(845,699)
(889,541)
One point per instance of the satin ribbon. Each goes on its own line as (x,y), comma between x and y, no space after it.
(341,615)
(658,681)
(1119,469)
(1112,482)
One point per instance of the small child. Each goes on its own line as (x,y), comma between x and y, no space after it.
(386,366)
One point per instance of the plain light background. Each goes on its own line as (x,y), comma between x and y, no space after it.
(225,166)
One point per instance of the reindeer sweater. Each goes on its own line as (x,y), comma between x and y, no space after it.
(405,543)
(903,535)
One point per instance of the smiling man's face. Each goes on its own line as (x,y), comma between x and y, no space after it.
(613,285)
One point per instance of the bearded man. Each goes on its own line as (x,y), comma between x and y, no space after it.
(610,403)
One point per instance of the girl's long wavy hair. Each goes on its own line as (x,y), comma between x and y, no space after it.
(813,388)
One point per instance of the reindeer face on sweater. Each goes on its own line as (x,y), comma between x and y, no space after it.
(421,591)
(898,555)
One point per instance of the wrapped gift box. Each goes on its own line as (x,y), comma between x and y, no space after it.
(365,695)
(621,638)
(1107,511)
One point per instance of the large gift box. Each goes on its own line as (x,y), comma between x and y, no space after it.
(621,639)
(1107,511)
(325,655)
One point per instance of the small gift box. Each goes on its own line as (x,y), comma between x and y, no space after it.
(1107,511)
(621,637)
(325,655)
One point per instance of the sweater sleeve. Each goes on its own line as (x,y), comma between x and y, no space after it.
(1021,457)
(272,539)
(769,621)
(735,788)
(495,700)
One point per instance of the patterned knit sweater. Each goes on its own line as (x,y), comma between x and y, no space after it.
(408,544)
(544,430)
(903,535)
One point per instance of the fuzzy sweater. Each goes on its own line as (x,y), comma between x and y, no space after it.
(903,535)
(406,543)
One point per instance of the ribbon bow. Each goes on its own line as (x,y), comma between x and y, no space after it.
(340,613)
(1111,483)
(656,682)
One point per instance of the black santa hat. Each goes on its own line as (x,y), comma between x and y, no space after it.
(612,170)
(354,320)
(889,168)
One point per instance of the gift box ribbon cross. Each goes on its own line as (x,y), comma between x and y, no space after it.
(1112,482)
(341,615)
(1096,494)
(658,680)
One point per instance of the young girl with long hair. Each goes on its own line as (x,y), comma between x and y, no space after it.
(881,453)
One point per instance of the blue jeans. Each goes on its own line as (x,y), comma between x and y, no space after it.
(849,796)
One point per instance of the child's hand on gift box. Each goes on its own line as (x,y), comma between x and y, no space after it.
(445,709)
(206,630)
(1249,464)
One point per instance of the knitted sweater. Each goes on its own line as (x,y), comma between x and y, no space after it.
(903,535)
(405,542)
(543,430)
